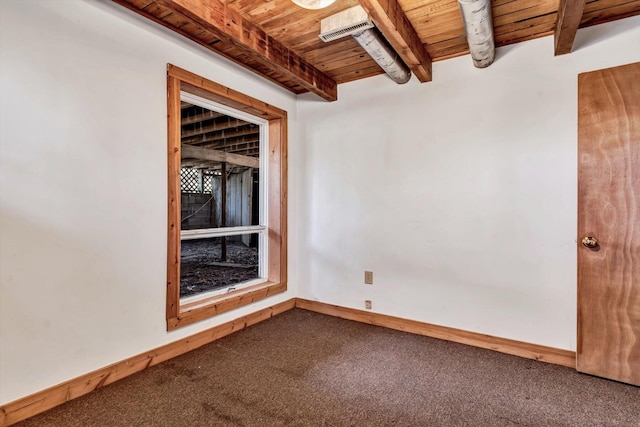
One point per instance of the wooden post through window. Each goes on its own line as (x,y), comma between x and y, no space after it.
(223,213)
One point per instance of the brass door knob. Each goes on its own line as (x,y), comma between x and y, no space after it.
(590,242)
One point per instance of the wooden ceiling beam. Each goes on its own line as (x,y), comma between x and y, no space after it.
(216,126)
(222,143)
(397,29)
(222,136)
(191,152)
(229,146)
(569,17)
(201,117)
(230,26)
(248,152)
(199,164)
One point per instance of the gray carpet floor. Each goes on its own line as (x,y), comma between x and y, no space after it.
(306,369)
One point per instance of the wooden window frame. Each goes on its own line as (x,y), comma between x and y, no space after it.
(178,314)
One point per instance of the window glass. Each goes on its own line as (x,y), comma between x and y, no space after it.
(205,265)
(219,189)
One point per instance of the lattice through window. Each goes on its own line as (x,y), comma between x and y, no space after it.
(207,182)
(190,180)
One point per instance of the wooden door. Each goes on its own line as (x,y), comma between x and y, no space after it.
(609,211)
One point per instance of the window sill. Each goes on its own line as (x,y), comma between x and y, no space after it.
(203,309)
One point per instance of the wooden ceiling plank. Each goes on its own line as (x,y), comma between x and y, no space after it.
(236,55)
(431,27)
(229,25)
(207,40)
(537,27)
(361,73)
(455,43)
(332,50)
(596,16)
(447,24)
(532,27)
(345,67)
(142,3)
(191,152)
(419,19)
(304,45)
(178,21)
(523,34)
(326,56)
(532,9)
(452,32)
(524,14)
(348,58)
(437,23)
(154,9)
(334,47)
(397,29)
(450,53)
(348,68)
(431,8)
(330,67)
(530,32)
(452,25)
(569,17)
(606,4)
(330,59)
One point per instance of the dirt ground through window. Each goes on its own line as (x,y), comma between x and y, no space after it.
(202,270)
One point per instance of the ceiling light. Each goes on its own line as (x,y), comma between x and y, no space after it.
(313,4)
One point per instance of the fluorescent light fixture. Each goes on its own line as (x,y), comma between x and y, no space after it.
(313,4)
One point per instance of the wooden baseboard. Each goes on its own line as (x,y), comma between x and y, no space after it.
(503,345)
(36,403)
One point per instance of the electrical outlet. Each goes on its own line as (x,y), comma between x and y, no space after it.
(367,304)
(368,277)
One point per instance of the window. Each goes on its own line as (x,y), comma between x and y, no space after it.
(227,199)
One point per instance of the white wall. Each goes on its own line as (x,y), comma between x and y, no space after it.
(459,194)
(83,186)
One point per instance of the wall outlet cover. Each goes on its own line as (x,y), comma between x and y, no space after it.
(368,277)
